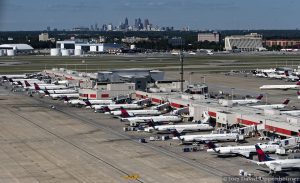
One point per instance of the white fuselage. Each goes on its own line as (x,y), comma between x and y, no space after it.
(60,91)
(60,95)
(101,102)
(272,106)
(293,112)
(76,102)
(117,106)
(246,101)
(209,137)
(185,127)
(281,164)
(137,112)
(155,119)
(52,87)
(244,150)
(279,87)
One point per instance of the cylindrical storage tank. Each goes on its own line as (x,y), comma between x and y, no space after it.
(78,52)
(71,51)
(132,47)
(2,53)
(10,52)
(55,52)
(65,52)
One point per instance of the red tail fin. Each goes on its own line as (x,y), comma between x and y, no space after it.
(298,92)
(26,83)
(124,113)
(36,86)
(298,83)
(286,101)
(106,109)
(261,155)
(259,97)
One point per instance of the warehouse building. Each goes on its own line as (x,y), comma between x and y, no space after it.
(86,47)
(210,37)
(250,42)
(141,77)
(13,49)
(107,90)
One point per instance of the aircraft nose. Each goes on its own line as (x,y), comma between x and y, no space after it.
(210,150)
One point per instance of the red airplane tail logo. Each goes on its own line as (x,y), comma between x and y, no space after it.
(36,86)
(124,113)
(259,97)
(286,101)
(26,83)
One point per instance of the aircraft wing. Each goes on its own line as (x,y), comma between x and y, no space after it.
(243,153)
(179,130)
(275,166)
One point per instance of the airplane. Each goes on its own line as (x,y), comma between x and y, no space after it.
(131,113)
(111,107)
(291,77)
(248,101)
(155,119)
(74,101)
(86,102)
(292,112)
(12,76)
(179,128)
(272,106)
(281,87)
(50,86)
(275,165)
(240,150)
(58,91)
(61,95)
(206,137)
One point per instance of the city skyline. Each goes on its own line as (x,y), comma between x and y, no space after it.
(195,14)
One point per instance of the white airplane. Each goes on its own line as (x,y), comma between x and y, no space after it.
(49,86)
(55,96)
(155,119)
(240,150)
(206,137)
(291,77)
(12,76)
(281,87)
(248,101)
(131,113)
(111,107)
(47,92)
(275,165)
(161,106)
(179,128)
(86,102)
(30,86)
(292,112)
(272,106)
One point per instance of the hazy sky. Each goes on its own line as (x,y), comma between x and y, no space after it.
(197,14)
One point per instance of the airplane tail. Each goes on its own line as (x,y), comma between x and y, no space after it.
(286,102)
(20,83)
(124,113)
(298,83)
(298,92)
(176,134)
(266,74)
(286,73)
(36,86)
(151,124)
(261,154)
(47,92)
(26,83)
(87,102)
(65,98)
(259,97)
(4,78)
(106,109)
(210,144)
(10,80)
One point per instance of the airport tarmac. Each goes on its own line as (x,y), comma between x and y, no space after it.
(241,84)
(68,144)
(40,144)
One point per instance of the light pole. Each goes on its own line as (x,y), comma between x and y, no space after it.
(232,93)
(191,73)
(181,79)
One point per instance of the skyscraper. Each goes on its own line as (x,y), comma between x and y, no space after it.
(146,24)
(126,23)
